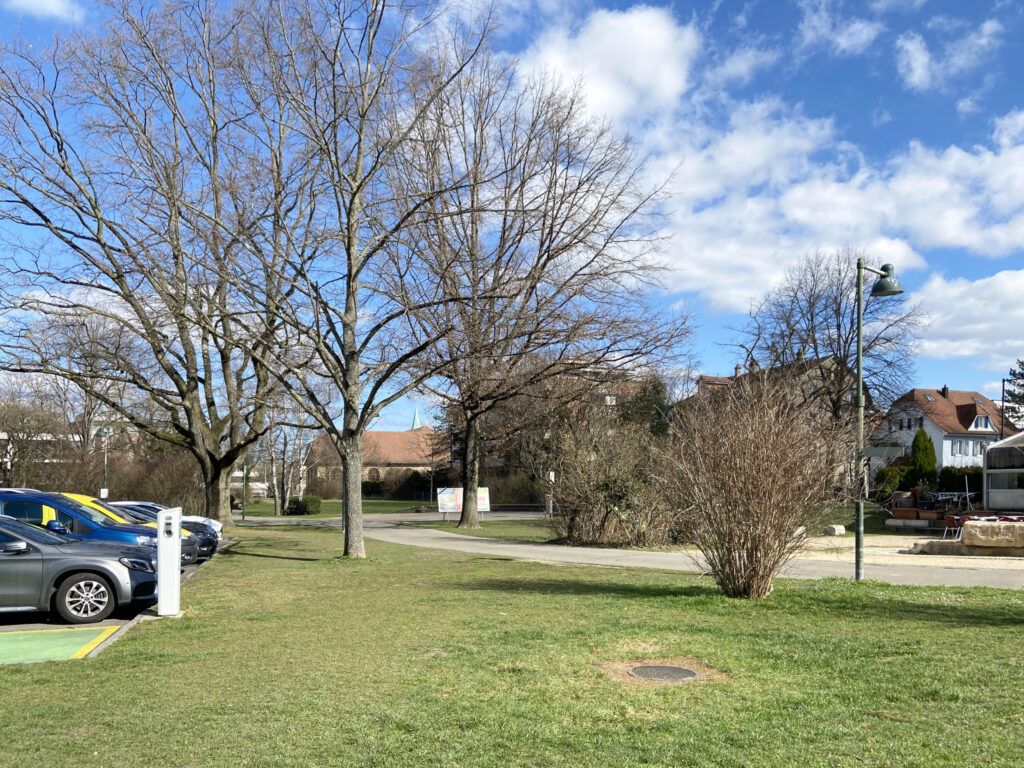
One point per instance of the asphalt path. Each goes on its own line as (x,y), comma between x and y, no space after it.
(888,566)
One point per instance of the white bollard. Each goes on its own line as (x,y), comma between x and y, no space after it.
(168,561)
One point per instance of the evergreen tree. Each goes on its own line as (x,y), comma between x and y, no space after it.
(922,458)
(1013,398)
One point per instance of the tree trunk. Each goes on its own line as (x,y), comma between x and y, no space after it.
(352,493)
(218,496)
(470,476)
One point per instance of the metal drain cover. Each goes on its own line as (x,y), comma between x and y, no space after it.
(663,674)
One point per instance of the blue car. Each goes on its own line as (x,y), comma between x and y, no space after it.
(64,515)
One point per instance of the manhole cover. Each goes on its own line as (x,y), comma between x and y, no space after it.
(662,673)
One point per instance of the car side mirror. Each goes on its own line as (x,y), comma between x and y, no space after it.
(15,547)
(55,527)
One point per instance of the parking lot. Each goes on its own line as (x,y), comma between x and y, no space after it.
(36,636)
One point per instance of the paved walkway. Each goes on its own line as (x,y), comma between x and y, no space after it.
(884,558)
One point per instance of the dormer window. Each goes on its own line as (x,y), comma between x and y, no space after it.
(982,422)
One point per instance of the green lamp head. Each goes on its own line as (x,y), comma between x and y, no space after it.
(887,284)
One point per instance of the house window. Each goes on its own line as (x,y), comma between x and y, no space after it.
(929,398)
(978,401)
(982,422)
(920,422)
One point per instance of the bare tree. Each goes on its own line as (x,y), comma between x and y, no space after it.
(359,77)
(812,316)
(540,256)
(749,470)
(33,434)
(139,167)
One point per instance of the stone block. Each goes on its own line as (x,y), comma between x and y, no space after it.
(835,530)
(983,534)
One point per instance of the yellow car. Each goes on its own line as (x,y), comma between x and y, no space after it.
(189,548)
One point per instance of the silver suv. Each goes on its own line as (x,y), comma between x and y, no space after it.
(83,581)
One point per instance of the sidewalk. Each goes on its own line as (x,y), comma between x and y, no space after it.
(826,556)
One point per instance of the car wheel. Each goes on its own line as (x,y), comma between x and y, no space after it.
(84,598)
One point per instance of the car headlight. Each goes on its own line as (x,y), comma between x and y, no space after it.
(137,564)
(145,541)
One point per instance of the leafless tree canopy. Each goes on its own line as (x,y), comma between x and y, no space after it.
(538,257)
(140,168)
(749,470)
(813,314)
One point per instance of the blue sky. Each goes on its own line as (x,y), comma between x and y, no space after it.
(895,127)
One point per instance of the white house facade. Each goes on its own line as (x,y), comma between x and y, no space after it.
(962,425)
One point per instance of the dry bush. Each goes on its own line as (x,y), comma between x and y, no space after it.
(749,469)
(604,488)
(166,476)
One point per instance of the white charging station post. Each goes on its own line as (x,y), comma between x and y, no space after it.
(168,561)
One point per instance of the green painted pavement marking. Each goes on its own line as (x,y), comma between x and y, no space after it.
(50,644)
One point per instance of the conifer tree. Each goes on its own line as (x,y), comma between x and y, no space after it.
(922,458)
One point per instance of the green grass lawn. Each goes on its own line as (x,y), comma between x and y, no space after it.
(334,508)
(288,655)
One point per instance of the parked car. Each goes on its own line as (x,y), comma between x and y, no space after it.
(191,546)
(152,506)
(83,581)
(204,537)
(79,521)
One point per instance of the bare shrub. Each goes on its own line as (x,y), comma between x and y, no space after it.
(604,488)
(749,469)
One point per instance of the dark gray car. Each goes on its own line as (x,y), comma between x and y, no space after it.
(83,581)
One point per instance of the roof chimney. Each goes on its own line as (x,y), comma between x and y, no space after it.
(737,370)
(945,391)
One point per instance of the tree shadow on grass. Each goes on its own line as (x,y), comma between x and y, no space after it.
(232,553)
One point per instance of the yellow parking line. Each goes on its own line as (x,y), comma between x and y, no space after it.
(85,649)
(57,629)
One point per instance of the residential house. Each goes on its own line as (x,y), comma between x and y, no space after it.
(961,424)
(386,454)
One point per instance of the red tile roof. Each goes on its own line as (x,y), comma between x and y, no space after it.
(953,411)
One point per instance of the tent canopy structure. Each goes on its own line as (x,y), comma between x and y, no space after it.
(1004,475)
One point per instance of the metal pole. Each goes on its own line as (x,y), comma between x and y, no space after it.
(105,459)
(1002,406)
(858,572)
(245,486)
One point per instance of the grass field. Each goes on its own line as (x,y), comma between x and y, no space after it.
(334,507)
(288,655)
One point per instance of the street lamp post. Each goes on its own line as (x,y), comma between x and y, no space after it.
(886,285)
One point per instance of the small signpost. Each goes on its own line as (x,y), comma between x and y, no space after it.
(168,562)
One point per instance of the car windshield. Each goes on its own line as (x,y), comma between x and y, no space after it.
(143,513)
(31,533)
(90,514)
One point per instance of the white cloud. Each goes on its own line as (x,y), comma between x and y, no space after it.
(820,26)
(1009,129)
(922,71)
(66,10)
(856,35)
(884,6)
(741,66)
(967,106)
(632,61)
(914,62)
(775,185)
(974,318)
